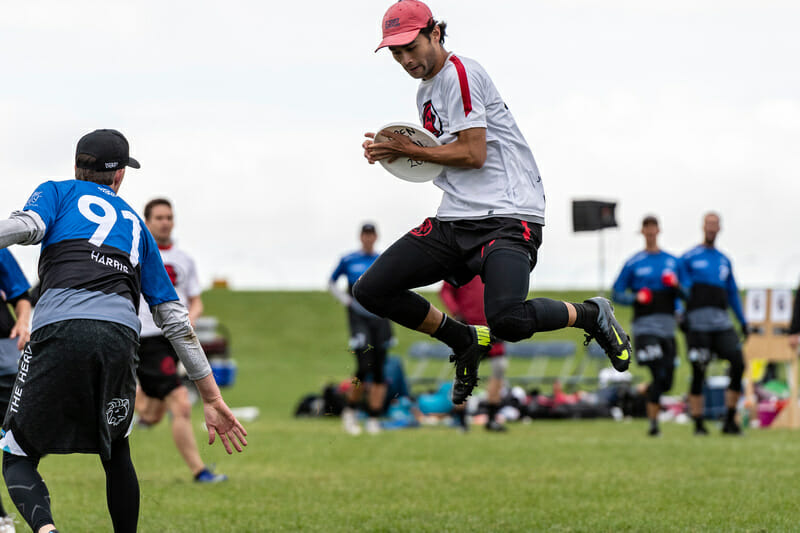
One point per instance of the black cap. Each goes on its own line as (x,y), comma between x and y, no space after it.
(368,227)
(649,219)
(108,147)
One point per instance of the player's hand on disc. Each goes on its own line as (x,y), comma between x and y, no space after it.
(366,144)
(396,145)
(220,420)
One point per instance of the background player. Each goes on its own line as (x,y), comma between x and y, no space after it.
(465,304)
(369,336)
(491,215)
(14,293)
(160,388)
(707,275)
(97,257)
(648,281)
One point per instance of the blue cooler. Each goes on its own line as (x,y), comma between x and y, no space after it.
(224,371)
(714,395)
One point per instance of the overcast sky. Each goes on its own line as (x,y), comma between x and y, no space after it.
(249,116)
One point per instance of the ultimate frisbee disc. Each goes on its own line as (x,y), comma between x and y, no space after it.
(406,168)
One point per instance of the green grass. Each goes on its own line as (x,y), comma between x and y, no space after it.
(307,475)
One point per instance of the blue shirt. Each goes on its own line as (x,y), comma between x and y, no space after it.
(352,266)
(97,256)
(707,276)
(645,270)
(12,281)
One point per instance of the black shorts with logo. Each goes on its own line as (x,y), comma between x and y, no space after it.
(461,246)
(703,345)
(158,367)
(75,389)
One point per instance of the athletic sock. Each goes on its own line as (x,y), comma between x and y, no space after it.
(453,333)
(654,424)
(698,422)
(460,416)
(586,315)
(493,409)
(730,415)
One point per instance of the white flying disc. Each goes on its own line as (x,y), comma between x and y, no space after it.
(406,168)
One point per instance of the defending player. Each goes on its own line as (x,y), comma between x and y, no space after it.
(369,336)
(648,281)
(491,215)
(75,389)
(707,275)
(13,292)
(465,304)
(160,388)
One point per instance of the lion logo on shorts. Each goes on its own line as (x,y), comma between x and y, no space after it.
(423,229)
(117,411)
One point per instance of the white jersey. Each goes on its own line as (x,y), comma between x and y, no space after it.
(462,96)
(183,274)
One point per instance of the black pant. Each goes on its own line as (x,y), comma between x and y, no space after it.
(384,289)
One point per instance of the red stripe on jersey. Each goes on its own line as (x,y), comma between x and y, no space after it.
(526,234)
(464,83)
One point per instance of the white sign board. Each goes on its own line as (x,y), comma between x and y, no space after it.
(755,307)
(781,306)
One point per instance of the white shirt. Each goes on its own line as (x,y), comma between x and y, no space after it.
(183,273)
(462,96)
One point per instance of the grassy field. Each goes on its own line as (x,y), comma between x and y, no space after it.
(307,475)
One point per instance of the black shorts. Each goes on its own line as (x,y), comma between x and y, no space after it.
(703,345)
(75,389)
(653,350)
(368,330)
(461,246)
(158,367)
(369,340)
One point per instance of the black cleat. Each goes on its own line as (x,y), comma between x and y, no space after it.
(610,335)
(654,432)
(700,431)
(732,428)
(467,363)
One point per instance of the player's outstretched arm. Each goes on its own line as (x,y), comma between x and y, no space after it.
(219,418)
(173,319)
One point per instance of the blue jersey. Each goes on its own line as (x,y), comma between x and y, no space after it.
(644,271)
(97,256)
(352,266)
(707,276)
(12,281)
(13,284)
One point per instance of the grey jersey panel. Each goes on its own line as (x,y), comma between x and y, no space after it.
(9,357)
(709,319)
(56,305)
(658,324)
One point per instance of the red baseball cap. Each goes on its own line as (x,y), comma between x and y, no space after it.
(402,22)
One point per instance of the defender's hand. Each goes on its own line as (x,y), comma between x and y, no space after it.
(220,420)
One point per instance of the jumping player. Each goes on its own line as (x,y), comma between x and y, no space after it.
(369,336)
(491,215)
(649,282)
(160,388)
(707,275)
(14,293)
(465,304)
(76,385)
